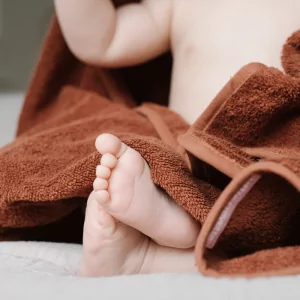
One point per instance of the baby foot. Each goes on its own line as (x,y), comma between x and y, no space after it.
(125,190)
(110,247)
(113,248)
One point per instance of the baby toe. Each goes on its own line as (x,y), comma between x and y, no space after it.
(103,172)
(100,184)
(108,160)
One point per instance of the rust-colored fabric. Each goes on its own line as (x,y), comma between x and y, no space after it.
(47,172)
(251,134)
(291,55)
(236,169)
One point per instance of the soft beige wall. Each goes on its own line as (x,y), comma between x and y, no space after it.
(23,24)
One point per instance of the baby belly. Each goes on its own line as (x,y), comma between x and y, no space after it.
(233,33)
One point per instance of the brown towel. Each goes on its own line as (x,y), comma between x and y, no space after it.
(47,172)
(243,152)
(251,133)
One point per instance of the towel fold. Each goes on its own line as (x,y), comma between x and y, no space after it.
(235,170)
(250,137)
(48,171)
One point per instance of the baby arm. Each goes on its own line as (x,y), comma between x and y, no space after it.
(99,34)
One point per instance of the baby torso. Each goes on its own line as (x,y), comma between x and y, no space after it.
(226,35)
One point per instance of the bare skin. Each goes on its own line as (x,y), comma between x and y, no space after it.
(126,213)
(209,42)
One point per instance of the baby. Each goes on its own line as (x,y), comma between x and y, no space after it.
(131,226)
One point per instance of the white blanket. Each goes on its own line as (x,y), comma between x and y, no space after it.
(38,271)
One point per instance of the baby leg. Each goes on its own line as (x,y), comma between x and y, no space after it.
(124,197)
(114,248)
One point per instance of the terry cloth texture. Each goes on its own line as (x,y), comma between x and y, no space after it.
(236,169)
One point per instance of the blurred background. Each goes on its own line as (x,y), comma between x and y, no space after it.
(23,24)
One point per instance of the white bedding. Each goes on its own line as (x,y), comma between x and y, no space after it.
(48,271)
(10,106)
